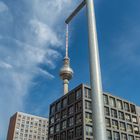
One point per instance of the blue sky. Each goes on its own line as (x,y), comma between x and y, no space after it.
(32,43)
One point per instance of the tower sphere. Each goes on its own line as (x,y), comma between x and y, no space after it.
(66,71)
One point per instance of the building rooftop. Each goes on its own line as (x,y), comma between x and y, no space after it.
(85,85)
(26,114)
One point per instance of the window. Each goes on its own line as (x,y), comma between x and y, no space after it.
(64,102)
(51,130)
(78,131)
(64,124)
(89,130)
(57,127)
(119,104)
(130,137)
(114,124)
(23,117)
(78,106)
(87,93)
(58,106)
(64,114)
(126,106)
(113,113)
(128,117)
(22,125)
(105,99)
(78,94)
(88,105)
(30,136)
(116,136)
(109,135)
(51,138)
(70,134)
(71,110)
(71,121)
(88,117)
(137,138)
(63,136)
(133,109)
(107,120)
(51,120)
(123,136)
(78,118)
(71,98)
(129,128)
(136,129)
(121,115)
(106,111)
(122,126)
(57,117)
(19,116)
(112,102)
(52,110)
(56,137)
(134,119)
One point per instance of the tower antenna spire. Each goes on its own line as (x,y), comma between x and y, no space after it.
(67,39)
(66,72)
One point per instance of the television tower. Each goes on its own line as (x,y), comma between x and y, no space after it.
(66,72)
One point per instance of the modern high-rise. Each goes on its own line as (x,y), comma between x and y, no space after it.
(24,126)
(70,117)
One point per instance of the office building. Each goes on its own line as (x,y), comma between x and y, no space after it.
(70,117)
(24,126)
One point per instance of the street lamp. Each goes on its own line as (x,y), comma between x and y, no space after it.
(99,128)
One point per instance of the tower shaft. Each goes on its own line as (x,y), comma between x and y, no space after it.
(66,87)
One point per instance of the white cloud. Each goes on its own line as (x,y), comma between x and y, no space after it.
(5,65)
(35,37)
(44,34)
(46,74)
(3,7)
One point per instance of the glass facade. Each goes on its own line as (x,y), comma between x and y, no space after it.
(122,120)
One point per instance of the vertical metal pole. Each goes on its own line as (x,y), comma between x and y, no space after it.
(99,128)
